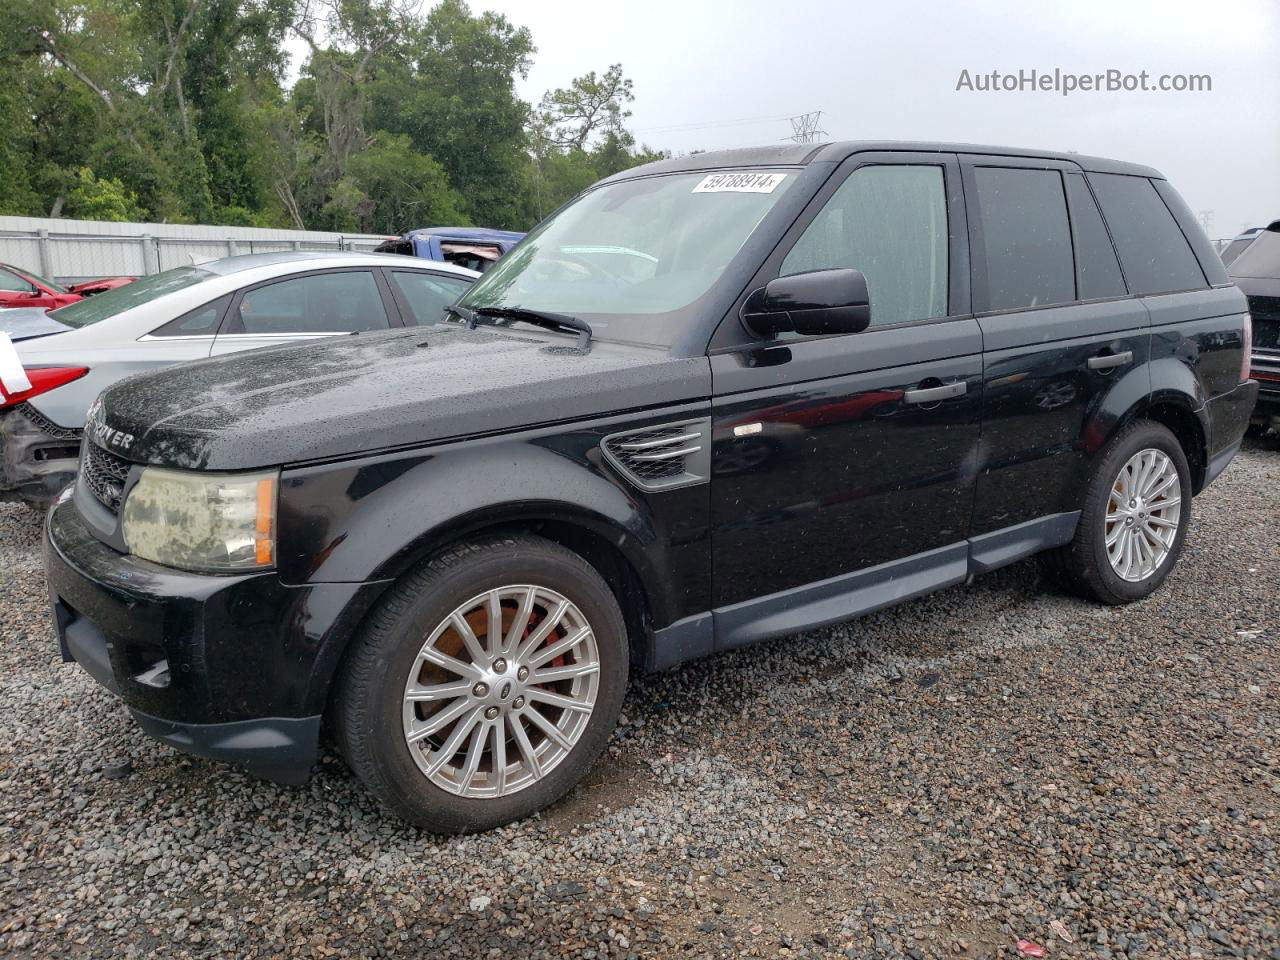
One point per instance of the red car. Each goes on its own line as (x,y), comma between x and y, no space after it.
(22,288)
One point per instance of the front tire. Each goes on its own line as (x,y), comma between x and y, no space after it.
(1134,522)
(485,686)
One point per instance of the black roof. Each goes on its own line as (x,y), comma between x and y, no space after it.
(799,154)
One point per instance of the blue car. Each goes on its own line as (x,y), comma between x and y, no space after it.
(476,248)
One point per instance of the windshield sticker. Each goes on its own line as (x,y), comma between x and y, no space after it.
(740,183)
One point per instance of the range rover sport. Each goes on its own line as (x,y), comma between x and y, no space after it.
(713,400)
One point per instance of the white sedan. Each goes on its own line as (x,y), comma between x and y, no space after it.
(190,313)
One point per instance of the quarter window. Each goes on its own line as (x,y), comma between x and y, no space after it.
(1155,254)
(427,294)
(200,322)
(1097,270)
(319,303)
(890,222)
(1026,240)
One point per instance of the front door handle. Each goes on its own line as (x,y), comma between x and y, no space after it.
(1108,360)
(934,394)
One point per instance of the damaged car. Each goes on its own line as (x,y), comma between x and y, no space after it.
(22,288)
(475,248)
(67,357)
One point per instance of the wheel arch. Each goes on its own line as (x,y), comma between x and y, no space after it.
(604,545)
(581,535)
(1175,412)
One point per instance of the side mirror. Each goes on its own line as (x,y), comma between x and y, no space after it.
(821,302)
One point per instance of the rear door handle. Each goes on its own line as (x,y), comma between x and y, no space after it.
(934,394)
(1108,360)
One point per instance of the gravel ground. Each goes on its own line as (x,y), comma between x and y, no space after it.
(985,765)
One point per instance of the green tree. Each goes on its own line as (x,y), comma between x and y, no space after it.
(578,136)
(457,103)
(404,189)
(570,117)
(93,198)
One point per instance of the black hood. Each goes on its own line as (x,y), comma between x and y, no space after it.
(339,397)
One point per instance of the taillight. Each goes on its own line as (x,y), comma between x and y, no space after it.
(1248,347)
(42,379)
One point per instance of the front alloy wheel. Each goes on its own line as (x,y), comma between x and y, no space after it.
(501,691)
(485,684)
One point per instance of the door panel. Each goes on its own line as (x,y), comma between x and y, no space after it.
(834,455)
(1052,375)
(1047,376)
(815,475)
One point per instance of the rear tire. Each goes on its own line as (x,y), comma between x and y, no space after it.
(428,703)
(1139,494)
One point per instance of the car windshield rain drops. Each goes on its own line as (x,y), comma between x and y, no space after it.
(631,257)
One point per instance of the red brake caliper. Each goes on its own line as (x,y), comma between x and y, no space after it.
(555,661)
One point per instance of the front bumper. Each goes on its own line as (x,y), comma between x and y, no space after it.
(37,456)
(235,668)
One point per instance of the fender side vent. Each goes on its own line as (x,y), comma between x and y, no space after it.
(664,457)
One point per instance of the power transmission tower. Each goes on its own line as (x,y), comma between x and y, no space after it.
(805,129)
(1206,221)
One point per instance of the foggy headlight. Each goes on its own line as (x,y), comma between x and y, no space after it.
(208,522)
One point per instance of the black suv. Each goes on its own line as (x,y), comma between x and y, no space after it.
(713,400)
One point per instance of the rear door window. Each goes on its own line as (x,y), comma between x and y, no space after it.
(1155,254)
(1025,238)
(339,302)
(427,294)
(1097,270)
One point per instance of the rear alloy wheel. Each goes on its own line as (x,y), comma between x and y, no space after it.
(1137,508)
(485,685)
(1143,513)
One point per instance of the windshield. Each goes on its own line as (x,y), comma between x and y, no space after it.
(629,257)
(36,278)
(110,302)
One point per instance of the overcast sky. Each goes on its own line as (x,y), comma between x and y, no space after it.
(726,73)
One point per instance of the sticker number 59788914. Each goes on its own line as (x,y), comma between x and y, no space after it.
(740,182)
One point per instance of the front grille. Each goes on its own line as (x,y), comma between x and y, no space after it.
(659,458)
(47,426)
(104,474)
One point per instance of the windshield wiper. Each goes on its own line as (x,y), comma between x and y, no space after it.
(463,314)
(541,318)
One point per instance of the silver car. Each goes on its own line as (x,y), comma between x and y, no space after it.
(188,313)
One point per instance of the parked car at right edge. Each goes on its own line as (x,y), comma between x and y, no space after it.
(1257,272)
(450,545)
(1238,244)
